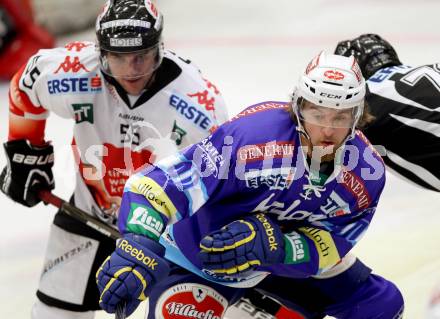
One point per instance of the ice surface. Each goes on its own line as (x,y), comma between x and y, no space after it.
(253,50)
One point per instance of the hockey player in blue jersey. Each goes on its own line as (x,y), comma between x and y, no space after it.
(277,195)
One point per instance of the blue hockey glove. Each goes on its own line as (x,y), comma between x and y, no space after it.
(129,274)
(242,245)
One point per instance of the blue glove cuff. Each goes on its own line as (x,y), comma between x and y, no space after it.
(273,238)
(144,252)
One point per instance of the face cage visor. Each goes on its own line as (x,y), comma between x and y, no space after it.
(328,117)
(131,65)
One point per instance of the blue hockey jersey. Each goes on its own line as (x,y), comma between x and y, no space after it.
(256,163)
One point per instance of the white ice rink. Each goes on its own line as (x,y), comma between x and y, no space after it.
(253,50)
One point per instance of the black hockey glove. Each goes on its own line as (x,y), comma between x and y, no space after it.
(29,169)
(371,52)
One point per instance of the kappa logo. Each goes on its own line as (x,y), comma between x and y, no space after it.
(202,99)
(210,85)
(71,66)
(76,46)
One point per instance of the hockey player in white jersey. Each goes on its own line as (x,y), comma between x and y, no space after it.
(405,100)
(132,102)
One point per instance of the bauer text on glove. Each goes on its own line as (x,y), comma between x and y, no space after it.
(29,169)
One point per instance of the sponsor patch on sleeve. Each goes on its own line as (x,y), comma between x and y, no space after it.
(155,195)
(325,246)
(145,221)
(297,249)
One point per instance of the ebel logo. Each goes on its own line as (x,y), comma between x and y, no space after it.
(203,99)
(83,112)
(128,42)
(76,46)
(273,178)
(75,85)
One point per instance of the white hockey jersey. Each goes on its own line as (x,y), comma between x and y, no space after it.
(114,134)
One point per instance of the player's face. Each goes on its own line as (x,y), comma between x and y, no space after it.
(326,127)
(132,70)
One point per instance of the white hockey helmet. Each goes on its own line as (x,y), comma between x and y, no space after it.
(331,81)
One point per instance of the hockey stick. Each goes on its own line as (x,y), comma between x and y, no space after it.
(48,198)
(120,311)
(77,213)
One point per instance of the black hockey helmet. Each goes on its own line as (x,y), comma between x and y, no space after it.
(129,26)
